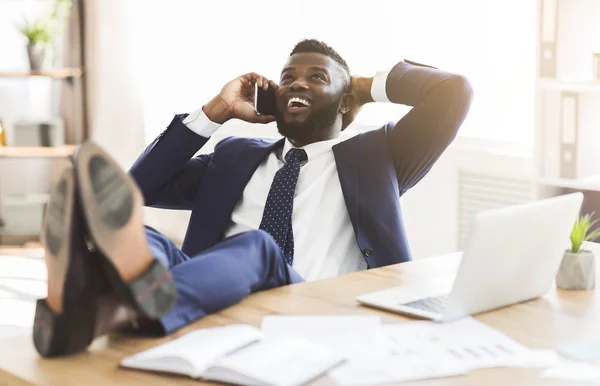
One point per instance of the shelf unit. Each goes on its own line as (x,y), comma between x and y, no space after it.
(36,152)
(28,173)
(547,84)
(591,183)
(27,199)
(69,75)
(567,118)
(56,73)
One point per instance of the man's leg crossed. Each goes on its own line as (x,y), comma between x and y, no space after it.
(220,276)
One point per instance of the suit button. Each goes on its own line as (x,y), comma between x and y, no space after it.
(367,252)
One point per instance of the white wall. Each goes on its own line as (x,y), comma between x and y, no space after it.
(189,49)
(114,84)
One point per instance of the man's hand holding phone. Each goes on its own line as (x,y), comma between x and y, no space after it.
(237,98)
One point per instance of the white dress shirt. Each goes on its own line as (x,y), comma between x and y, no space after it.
(324,240)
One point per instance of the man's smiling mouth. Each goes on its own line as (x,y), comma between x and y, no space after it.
(296,104)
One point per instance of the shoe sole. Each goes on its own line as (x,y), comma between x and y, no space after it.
(72,330)
(112,205)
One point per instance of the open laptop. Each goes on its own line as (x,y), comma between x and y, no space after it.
(512,255)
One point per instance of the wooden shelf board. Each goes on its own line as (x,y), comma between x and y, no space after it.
(574,86)
(36,152)
(55,73)
(25,200)
(587,183)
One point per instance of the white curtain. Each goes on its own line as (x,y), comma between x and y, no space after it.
(114,91)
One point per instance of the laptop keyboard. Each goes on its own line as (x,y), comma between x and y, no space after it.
(435,304)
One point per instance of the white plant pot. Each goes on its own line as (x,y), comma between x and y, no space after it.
(39,55)
(577,271)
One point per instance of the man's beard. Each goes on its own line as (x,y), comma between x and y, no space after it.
(305,131)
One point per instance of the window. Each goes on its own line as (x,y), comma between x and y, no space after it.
(189,49)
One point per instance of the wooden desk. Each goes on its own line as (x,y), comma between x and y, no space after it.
(559,317)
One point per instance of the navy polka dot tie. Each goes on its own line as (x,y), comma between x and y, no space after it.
(277,216)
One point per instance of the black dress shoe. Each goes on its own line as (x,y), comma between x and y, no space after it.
(113,208)
(72,276)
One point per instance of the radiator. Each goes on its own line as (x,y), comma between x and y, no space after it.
(480,192)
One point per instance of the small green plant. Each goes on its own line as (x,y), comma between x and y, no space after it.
(38,31)
(43,30)
(581,231)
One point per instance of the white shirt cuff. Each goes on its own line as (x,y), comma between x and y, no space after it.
(199,123)
(378,87)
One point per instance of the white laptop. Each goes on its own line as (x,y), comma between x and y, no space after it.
(512,255)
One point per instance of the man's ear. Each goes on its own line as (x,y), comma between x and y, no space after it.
(349,109)
(348,101)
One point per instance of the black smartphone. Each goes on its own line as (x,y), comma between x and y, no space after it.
(264,101)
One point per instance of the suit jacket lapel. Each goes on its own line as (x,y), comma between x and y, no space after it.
(346,155)
(239,166)
(367,175)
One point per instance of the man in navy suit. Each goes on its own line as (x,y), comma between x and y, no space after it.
(271,213)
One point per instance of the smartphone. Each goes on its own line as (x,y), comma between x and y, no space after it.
(264,101)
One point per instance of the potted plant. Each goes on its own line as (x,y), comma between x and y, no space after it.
(40,33)
(39,38)
(578,268)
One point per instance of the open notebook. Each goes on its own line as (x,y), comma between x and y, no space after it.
(236,354)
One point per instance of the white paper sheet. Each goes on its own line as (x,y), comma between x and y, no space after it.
(581,372)
(537,359)
(424,350)
(355,337)
(396,368)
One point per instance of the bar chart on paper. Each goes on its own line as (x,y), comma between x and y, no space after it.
(468,342)
(425,350)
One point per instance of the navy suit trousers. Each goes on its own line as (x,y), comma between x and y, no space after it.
(221,275)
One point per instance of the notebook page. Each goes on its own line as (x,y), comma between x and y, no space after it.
(192,353)
(278,362)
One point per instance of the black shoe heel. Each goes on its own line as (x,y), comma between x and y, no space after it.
(61,334)
(69,266)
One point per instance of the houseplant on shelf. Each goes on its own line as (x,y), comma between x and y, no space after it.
(578,268)
(40,33)
(39,38)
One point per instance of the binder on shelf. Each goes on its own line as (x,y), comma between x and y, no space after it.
(42,132)
(596,65)
(548,37)
(568,134)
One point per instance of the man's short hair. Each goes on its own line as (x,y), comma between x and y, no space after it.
(317,46)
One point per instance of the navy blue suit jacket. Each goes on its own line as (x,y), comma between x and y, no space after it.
(375,168)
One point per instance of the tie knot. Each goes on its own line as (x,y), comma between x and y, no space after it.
(296,154)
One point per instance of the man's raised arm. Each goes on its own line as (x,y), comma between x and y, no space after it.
(440,100)
(166,173)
